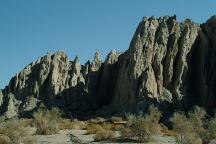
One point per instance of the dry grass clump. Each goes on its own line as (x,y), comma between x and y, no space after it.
(72,124)
(97,120)
(46,121)
(212,127)
(115,119)
(126,133)
(13,132)
(102,131)
(166,131)
(184,129)
(94,128)
(142,127)
(105,135)
(26,122)
(209,132)
(194,128)
(99,124)
(118,127)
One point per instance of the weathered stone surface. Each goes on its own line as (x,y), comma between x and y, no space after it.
(1,98)
(203,74)
(12,106)
(155,65)
(49,72)
(44,80)
(106,83)
(168,63)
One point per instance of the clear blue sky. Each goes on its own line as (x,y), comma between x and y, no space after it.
(31,28)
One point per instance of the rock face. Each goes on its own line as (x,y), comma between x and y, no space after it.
(203,76)
(168,62)
(156,64)
(1,98)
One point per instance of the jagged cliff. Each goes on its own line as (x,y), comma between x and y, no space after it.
(168,63)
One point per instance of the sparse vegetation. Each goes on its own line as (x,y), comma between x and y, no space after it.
(94,128)
(116,119)
(194,127)
(100,124)
(210,133)
(46,121)
(142,127)
(72,124)
(97,120)
(184,129)
(13,132)
(103,130)
(105,135)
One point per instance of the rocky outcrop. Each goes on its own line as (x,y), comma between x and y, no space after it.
(168,63)
(43,81)
(56,81)
(203,76)
(43,78)
(11,106)
(107,79)
(1,98)
(156,64)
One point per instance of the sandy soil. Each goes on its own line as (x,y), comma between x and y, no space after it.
(76,136)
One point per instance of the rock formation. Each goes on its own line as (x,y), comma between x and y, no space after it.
(203,76)
(156,64)
(168,62)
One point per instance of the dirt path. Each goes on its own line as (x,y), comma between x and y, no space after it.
(76,136)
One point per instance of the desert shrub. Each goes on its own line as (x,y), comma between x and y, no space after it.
(211,127)
(181,123)
(166,129)
(126,133)
(184,129)
(154,114)
(191,128)
(140,127)
(116,119)
(118,127)
(13,132)
(26,122)
(105,135)
(210,131)
(188,138)
(94,128)
(46,121)
(197,117)
(131,118)
(5,139)
(74,124)
(108,126)
(97,120)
